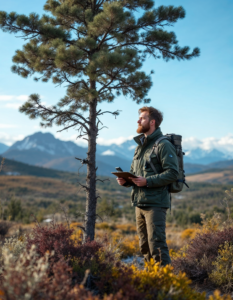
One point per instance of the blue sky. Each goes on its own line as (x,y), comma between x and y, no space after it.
(195,96)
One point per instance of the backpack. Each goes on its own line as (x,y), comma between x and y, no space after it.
(176,186)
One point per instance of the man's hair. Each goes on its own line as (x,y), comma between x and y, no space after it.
(154,114)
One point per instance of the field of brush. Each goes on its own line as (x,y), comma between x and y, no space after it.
(43,196)
(48,213)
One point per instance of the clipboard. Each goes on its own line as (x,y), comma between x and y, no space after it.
(125,175)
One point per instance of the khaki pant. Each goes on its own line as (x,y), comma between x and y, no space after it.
(151,224)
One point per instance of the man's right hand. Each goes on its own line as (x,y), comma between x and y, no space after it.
(121,181)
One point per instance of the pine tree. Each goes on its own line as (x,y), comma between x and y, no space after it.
(95,47)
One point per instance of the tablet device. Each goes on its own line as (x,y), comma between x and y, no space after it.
(125,175)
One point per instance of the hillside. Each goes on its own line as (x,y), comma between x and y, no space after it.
(12,167)
(213,176)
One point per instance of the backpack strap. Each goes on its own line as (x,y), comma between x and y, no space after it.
(155,148)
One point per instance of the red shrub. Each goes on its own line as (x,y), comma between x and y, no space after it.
(201,252)
(122,281)
(57,238)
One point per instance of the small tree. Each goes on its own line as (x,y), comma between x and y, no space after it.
(96,47)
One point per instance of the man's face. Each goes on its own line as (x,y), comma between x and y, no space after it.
(143,122)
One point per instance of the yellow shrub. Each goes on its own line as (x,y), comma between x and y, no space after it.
(222,275)
(168,285)
(188,233)
(103,225)
(211,224)
(217,296)
(126,228)
(130,246)
(180,253)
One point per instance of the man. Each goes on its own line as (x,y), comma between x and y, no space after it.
(150,193)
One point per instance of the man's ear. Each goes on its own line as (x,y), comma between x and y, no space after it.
(153,122)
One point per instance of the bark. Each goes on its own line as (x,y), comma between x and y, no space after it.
(91,199)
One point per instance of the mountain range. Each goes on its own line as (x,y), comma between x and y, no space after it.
(44,150)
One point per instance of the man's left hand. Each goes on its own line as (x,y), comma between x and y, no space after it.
(139,181)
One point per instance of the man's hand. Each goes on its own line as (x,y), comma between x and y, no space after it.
(121,181)
(139,181)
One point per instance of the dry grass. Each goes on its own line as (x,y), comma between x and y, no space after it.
(212,177)
(36,185)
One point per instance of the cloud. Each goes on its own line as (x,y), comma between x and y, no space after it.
(3,126)
(118,141)
(6,97)
(8,139)
(13,105)
(224,144)
(15,102)
(13,97)
(108,152)
(22,97)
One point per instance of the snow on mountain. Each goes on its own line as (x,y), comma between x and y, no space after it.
(41,148)
(46,142)
(202,152)
(204,157)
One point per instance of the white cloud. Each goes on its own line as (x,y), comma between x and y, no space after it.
(108,152)
(22,97)
(13,105)
(118,141)
(6,97)
(4,126)
(13,97)
(13,101)
(8,139)
(224,144)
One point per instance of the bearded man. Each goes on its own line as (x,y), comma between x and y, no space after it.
(150,194)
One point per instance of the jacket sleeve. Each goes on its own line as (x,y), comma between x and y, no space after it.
(169,162)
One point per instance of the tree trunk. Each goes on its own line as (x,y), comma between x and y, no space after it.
(91,198)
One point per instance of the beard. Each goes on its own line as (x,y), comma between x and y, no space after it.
(143,129)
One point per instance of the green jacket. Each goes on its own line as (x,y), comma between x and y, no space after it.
(156,192)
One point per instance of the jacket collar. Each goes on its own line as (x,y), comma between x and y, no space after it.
(141,139)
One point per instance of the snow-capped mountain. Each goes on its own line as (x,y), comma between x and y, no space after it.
(46,142)
(125,149)
(193,156)
(204,157)
(43,149)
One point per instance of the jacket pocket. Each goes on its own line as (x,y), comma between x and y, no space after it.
(150,196)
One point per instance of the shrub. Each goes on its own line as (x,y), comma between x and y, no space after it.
(200,252)
(161,283)
(14,210)
(13,246)
(222,274)
(188,233)
(22,277)
(130,246)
